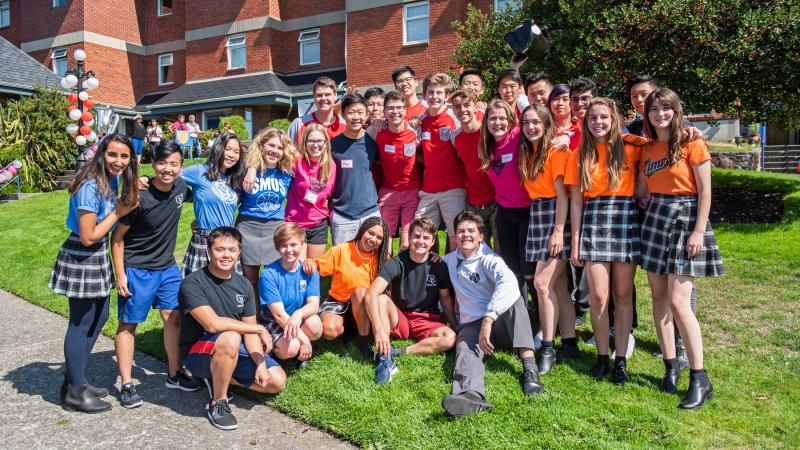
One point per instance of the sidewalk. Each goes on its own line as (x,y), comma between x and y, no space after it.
(31,370)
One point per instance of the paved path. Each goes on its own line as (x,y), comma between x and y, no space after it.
(31,370)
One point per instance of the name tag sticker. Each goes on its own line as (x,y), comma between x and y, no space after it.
(311,197)
(388,148)
(444,133)
(347,164)
(409,150)
(426,135)
(506,158)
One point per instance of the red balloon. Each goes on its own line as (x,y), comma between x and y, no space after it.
(88,104)
(86,130)
(87,116)
(73,98)
(71,107)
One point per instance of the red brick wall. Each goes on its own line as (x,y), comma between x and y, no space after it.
(208,58)
(206,13)
(293,9)
(115,18)
(331,49)
(12,32)
(154,28)
(40,20)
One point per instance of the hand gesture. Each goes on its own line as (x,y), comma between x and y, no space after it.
(573,256)
(262,376)
(144,183)
(694,244)
(292,328)
(309,266)
(383,345)
(122,285)
(484,338)
(122,209)
(249,180)
(266,340)
(556,243)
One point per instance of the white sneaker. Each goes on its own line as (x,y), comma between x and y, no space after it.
(537,341)
(629,350)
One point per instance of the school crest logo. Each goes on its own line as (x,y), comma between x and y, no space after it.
(431,280)
(475,277)
(224,193)
(179,200)
(268,202)
(303,285)
(239,300)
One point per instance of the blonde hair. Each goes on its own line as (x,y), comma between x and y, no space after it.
(255,156)
(487,143)
(326,160)
(438,79)
(588,147)
(286,231)
(467,94)
(531,160)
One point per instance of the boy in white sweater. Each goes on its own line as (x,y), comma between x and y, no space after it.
(492,314)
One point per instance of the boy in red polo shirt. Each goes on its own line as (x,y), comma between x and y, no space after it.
(405,81)
(324,99)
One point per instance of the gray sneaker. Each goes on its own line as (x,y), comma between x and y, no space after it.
(129,397)
(219,414)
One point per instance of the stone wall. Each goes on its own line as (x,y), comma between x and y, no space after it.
(740,160)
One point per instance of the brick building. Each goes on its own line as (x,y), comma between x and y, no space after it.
(256,58)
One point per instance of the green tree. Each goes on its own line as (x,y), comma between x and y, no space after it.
(237,125)
(733,56)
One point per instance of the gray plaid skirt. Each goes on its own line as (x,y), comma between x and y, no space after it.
(540,228)
(81,271)
(667,225)
(610,230)
(197,254)
(273,327)
(331,306)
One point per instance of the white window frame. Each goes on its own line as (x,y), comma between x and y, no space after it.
(59,54)
(161,80)
(500,5)
(406,18)
(5,11)
(160,8)
(309,37)
(235,46)
(59,3)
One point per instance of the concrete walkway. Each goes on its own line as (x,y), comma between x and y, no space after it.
(31,371)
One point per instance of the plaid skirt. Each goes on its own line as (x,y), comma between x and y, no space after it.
(271,325)
(197,254)
(332,306)
(610,230)
(540,228)
(81,271)
(667,225)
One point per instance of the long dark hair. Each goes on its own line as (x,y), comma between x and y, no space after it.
(235,175)
(95,169)
(668,98)
(531,160)
(383,249)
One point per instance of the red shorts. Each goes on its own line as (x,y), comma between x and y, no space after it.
(415,325)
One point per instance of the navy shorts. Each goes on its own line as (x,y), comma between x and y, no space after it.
(156,289)
(198,361)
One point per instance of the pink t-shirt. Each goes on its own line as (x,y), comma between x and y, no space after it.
(308,199)
(504,173)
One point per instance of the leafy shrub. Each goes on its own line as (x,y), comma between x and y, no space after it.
(237,125)
(281,124)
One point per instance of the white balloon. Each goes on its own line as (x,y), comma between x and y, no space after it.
(80,55)
(72,128)
(92,83)
(89,154)
(16,163)
(89,123)
(91,137)
(7,175)
(83,96)
(75,114)
(65,83)
(72,80)
(80,139)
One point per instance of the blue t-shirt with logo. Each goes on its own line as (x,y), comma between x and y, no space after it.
(266,199)
(277,284)
(214,201)
(90,198)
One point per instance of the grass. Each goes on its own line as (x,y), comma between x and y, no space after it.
(750,325)
(729,147)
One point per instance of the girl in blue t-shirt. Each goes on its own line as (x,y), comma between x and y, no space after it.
(82,270)
(216,187)
(271,159)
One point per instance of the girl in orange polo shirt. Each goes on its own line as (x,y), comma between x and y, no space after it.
(542,169)
(677,241)
(605,233)
(353,265)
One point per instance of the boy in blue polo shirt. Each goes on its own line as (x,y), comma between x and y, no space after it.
(142,247)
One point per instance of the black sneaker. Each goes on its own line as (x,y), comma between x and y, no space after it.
(129,397)
(219,413)
(183,382)
(210,387)
(620,374)
(530,383)
(460,405)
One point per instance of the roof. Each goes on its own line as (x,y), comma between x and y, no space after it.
(21,73)
(239,90)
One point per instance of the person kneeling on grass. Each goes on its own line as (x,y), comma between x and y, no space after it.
(290,298)
(492,311)
(220,339)
(418,285)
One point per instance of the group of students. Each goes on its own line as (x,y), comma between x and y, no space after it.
(543,182)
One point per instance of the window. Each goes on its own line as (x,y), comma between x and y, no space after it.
(500,6)
(415,23)
(60,61)
(165,75)
(237,53)
(5,13)
(248,121)
(309,47)
(59,3)
(164,7)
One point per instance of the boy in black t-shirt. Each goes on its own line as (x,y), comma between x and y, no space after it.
(147,277)
(420,289)
(220,339)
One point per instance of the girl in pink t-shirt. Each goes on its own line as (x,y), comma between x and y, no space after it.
(307,204)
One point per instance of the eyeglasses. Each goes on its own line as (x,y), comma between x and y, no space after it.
(582,99)
(394,108)
(316,141)
(401,81)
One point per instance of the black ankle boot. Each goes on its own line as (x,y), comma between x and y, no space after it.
(600,369)
(672,373)
(620,375)
(547,358)
(96,391)
(700,389)
(80,399)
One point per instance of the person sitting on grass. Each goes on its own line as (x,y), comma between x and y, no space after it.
(411,311)
(220,339)
(290,298)
(492,315)
(353,265)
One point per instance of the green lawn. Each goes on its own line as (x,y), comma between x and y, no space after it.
(750,323)
(729,147)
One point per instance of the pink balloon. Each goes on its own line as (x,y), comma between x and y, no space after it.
(12,169)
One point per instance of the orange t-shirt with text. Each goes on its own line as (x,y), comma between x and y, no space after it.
(661,178)
(599,172)
(348,268)
(544,185)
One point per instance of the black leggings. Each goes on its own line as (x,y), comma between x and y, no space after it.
(86,319)
(511,226)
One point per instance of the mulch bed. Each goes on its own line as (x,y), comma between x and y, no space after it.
(736,205)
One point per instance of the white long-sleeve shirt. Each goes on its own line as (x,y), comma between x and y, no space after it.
(484,285)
